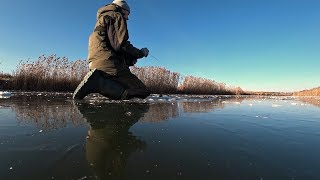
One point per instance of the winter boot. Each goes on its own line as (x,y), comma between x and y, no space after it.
(98,82)
(87,85)
(111,89)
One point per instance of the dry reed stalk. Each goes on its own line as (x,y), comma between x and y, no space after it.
(157,79)
(309,92)
(197,85)
(52,73)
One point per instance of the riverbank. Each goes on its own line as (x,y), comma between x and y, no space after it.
(58,74)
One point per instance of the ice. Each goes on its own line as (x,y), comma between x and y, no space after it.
(263,117)
(276,105)
(128,113)
(5,94)
(85,177)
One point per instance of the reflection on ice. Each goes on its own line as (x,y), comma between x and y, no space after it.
(160,111)
(45,112)
(49,111)
(309,100)
(204,106)
(109,142)
(238,130)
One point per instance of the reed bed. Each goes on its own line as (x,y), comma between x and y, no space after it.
(198,85)
(309,92)
(52,73)
(161,80)
(5,75)
(4,79)
(158,79)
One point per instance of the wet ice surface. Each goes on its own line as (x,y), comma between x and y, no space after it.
(5,94)
(51,136)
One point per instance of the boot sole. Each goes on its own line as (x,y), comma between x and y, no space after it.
(82,83)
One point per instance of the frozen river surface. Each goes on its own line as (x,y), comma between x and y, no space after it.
(51,136)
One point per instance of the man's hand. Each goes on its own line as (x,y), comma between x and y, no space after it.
(145,52)
(134,62)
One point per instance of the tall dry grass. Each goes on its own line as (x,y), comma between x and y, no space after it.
(309,92)
(5,75)
(4,80)
(198,85)
(161,80)
(52,73)
(158,79)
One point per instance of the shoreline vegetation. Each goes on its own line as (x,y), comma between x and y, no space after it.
(58,74)
(308,92)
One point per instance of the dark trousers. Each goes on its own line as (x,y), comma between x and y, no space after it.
(133,85)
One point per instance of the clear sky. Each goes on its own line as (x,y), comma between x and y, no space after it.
(269,45)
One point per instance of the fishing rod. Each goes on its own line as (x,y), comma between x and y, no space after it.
(154,57)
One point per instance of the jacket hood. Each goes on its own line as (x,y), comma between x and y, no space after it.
(106,8)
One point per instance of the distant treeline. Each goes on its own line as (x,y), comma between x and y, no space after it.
(265,93)
(52,73)
(309,92)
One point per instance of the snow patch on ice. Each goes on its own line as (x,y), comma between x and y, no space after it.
(5,94)
(276,105)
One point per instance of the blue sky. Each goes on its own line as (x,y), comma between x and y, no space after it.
(269,45)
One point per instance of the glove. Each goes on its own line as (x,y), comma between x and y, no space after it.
(145,52)
(134,62)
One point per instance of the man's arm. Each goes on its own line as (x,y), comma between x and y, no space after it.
(118,37)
